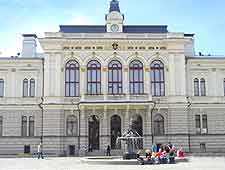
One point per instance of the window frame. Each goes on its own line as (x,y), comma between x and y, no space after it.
(140,82)
(25,85)
(157,66)
(119,78)
(196,87)
(31,129)
(72,120)
(90,69)
(203,87)
(32,87)
(160,125)
(68,82)
(24,126)
(2,87)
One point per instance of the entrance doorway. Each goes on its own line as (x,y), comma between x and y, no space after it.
(93,133)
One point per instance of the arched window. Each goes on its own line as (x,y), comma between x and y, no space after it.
(203,90)
(1,88)
(137,124)
(136,77)
(1,125)
(71,126)
(158,125)
(72,79)
(115,130)
(25,88)
(32,87)
(94,77)
(224,86)
(157,78)
(24,126)
(115,77)
(196,87)
(31,126)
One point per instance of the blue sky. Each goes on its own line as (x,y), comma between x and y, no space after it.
(205,18)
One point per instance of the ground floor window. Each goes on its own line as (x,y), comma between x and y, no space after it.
(115,131)
(93,132)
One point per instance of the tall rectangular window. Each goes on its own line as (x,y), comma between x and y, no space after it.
(1,88)
(1,125)
(24,126)
(31,126)
(32,87)
(204,121)
(198,124)
(224,87)
(197,121)
(25,88)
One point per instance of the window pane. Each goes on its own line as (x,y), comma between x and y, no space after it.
(67,89)
(77,89)
(131,76)
(203,92)
(196,87)
(136,75)
(67,75)
(89,88)
(110,76)
(25,88)
(98,75)
(131,88)
(1,125)
(32,87)
(197,121)
(224,86)
(115,75)
(157,75)
(72,89)
(72,75)
(24,126)
(1,88)
(31,126)
(204,122)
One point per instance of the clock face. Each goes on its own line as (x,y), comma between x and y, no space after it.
(114,28)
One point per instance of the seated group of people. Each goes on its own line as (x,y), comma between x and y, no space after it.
(166,154)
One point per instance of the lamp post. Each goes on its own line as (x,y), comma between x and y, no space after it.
(78,109)
(189,135)
(152,132)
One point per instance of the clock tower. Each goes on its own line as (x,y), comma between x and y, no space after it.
(114,19)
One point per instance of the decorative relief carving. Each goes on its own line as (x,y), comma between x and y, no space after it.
(104,69)
(125,69)
(147,69)
(83,69)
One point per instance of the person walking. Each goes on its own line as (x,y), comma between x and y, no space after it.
(40,152)
(108,151)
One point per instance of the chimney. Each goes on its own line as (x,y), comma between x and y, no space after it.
(29,45)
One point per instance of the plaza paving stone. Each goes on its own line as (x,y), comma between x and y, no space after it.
(195,163)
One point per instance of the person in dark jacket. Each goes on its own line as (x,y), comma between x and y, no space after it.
(108,151)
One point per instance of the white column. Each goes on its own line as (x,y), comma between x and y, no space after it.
(126,80)
(104,142)
(104,82)
(83,81)
(83,133)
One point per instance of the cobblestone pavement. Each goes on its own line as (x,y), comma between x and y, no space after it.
(195,163)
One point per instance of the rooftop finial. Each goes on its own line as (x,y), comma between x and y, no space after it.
(114,6)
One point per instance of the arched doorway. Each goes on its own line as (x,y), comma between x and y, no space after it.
(137,124)
(115,131)
(93,132)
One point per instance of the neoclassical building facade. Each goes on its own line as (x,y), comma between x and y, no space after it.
(94,82)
